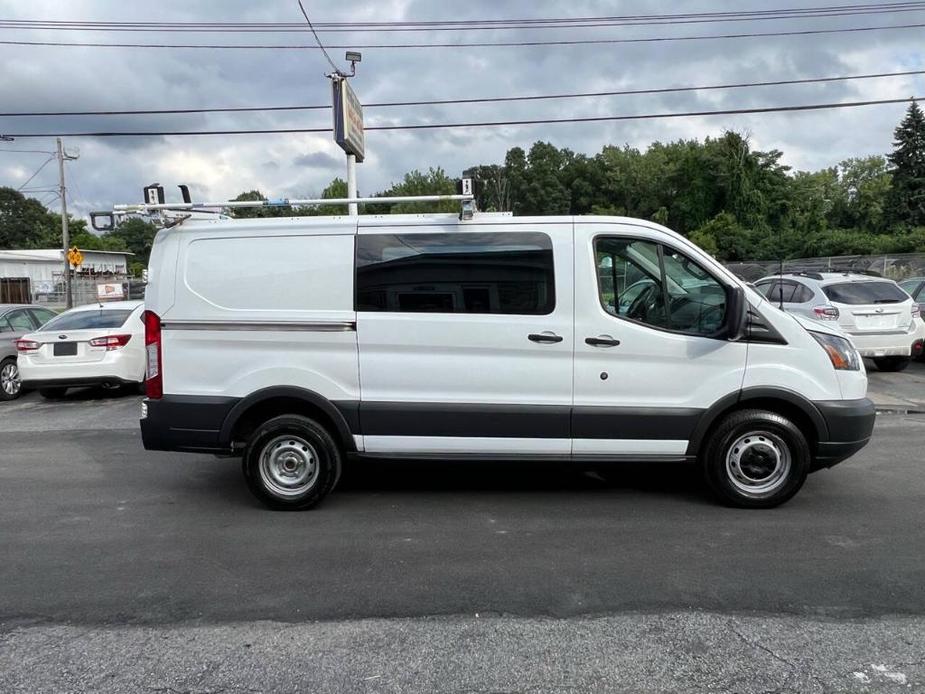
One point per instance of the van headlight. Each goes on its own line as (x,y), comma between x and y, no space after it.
(842,354)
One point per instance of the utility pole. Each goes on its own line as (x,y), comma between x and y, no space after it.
(65,236)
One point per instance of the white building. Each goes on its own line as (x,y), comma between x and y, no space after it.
(43,268)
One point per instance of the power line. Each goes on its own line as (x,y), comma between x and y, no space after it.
(482,100)
(473,44)
(27,151)
(473,24)
(485,124)
(37,172)
(317,40)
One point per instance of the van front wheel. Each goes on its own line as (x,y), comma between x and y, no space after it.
(291,463)
(756,459)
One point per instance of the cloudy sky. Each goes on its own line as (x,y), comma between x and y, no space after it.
(43,78)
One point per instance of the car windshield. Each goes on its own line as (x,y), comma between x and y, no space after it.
(865,293)
(88,319)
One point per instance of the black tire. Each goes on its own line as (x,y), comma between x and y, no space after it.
(52,393)
(10,385)
(743,459)
(133,388)
(297,441)
(892,363)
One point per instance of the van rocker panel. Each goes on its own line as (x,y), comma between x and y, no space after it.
(206,423)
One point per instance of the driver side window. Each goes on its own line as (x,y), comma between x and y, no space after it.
(646,282)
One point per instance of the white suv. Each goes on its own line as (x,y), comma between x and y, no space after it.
(880,318)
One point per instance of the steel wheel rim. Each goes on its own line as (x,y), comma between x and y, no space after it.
(9,379)
(758,463)
(288,466)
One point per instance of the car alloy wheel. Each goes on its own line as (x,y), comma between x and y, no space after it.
(9,380)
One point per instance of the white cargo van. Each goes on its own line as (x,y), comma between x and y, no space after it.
(297,342)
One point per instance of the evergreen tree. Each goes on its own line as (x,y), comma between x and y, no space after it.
(907,198)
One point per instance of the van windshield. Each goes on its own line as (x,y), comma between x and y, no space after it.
(854,293)
(88,320)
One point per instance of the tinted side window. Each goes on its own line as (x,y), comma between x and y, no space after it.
(912,287)
(41,315)
(5,326)
(502,273)
(696,300)
(645,282)
(802,294)
(763,288)
(20,321)
(782,291)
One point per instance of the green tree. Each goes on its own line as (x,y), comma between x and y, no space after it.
(907,199)
(724,237)
(258,212)
(862,195)
(134,235)
(492,188)
(25,223)
(434,182)
(337,188)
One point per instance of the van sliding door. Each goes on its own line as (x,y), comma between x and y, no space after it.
(465,338)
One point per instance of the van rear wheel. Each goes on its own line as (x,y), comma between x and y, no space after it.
(756,459)
(291,463)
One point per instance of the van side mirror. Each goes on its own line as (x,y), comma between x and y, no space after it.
(102,221)
(736,322)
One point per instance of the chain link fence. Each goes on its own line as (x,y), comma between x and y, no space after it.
(87,290)
(895,266)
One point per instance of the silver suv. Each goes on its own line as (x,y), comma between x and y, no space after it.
(881,319)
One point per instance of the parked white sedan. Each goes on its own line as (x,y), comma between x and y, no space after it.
(93,345)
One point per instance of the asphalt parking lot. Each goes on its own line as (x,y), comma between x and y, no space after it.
(125,570)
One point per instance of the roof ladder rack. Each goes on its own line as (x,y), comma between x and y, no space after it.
(157,204)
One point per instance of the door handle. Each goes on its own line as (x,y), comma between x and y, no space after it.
(601,341)
(544,337)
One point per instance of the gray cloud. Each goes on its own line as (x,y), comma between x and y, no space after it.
(317,160)
(219,167)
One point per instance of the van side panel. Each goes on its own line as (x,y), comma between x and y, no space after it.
(256,310)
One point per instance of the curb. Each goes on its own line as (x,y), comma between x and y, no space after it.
(899,410)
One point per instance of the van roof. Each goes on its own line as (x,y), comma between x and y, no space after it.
(435,219)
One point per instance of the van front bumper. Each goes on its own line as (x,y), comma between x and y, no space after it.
(849,423)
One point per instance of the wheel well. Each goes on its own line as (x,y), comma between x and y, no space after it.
(786,409)
(262,411)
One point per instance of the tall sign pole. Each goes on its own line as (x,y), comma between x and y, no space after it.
(65,235)
(348,126)
(352,209)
